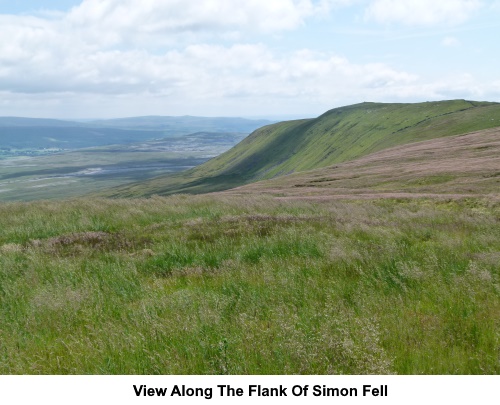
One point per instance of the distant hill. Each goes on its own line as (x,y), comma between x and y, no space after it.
(184,124)
(339,135)
(22,133)
(69,137)
(35,122)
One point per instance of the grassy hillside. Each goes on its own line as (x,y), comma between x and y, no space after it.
(249,285)
(339,135)
(460,165)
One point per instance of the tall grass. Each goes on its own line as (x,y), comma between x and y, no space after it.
(226,285)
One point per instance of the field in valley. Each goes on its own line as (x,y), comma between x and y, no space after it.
(66,174)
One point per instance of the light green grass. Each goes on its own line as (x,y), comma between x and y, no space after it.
(227,285)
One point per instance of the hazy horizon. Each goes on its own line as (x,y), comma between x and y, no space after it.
(90,119)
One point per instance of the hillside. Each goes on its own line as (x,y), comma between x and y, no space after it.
(249,284)
(339,135)
(452,167)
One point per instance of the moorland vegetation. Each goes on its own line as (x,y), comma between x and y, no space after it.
(250,285)
(386,262)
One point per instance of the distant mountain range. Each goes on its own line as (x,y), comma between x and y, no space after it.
(20,133)
(340,135)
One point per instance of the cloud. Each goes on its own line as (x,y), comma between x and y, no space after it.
(143,18)
(198,70)
(50,67)
(140,57)
(154,24)
(208,79)
(87,51)
(421,12)
(46,60)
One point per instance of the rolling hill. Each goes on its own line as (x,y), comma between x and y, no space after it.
(23,122)
(183,124)
(340,135)
(34,133)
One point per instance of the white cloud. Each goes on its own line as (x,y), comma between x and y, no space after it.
(200,71)
(422,12)
(82,52)
(44,59)
(453,86)
(134,18)
(156,24)
(140,22)
(204,79)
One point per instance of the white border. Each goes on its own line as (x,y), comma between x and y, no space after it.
(108,390)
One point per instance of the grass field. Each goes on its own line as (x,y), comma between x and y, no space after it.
(231,284)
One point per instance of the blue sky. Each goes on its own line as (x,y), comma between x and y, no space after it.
(112,58)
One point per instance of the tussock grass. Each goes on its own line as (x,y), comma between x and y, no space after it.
(230,285)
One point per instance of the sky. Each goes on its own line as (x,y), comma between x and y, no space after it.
(250,58)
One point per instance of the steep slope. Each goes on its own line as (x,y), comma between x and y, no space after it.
(339,135)
(454,166)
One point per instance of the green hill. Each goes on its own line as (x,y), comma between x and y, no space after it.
(460,166)
(339,135)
